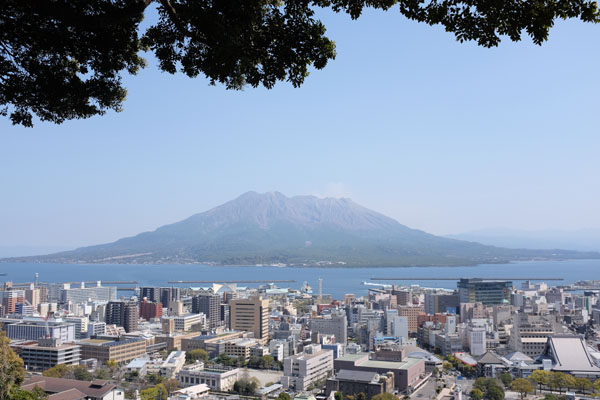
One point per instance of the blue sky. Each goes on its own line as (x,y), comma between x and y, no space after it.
(442,136)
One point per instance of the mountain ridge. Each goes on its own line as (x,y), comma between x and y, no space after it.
(270,228)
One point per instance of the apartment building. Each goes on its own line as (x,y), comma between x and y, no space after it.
(302,370)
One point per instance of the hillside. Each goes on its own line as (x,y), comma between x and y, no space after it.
(303,230)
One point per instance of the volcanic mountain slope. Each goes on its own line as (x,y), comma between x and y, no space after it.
(302,230)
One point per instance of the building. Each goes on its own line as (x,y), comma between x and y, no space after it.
(163,295)
(173,364)
(305,369)
(191,392)
(49,353)
(10,299)
(441,303)
(33,296)
(96,328)
(412,314)
(123,314)
(71,389)
(120,351)
(335,324)
(488,292)
(220,379)
(37,328)
(150,310)
(81,326)
(250,315)
(476,339)
(530,333)
(183,323)
(85,294)
(354,382)
(138,365)
(210,305)
(570,354)
(408,373)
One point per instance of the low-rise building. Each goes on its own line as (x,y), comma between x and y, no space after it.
(305,369)
(72,389)
(220,379)
(354,382)
(120,351)
(173,364)
(408,373)
(49,353)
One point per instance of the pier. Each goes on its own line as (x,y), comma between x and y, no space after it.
(458,279)
(239,281)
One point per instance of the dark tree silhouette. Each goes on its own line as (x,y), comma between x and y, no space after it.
(63,59)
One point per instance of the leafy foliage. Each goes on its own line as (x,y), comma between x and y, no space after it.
(522,386)
(158,392)
(12,372)
(506,379)
(283,396)
(195,355)
(246,386)
(35,394)
(64,60)
(476,394)
(385,396)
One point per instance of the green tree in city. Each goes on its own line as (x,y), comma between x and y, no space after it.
(541,377)
(476,394)
(35,394)
(506,379)
(196,355)
(583,384)
(481,384)
(171,385)
(361,396)
(385,396)
(285,396)
(494,392)
(596,385)
(522,386)
(560,380)
(336,396)
(158,392)
(58,371)
(81,373)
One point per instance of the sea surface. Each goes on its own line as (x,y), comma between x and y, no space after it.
(336,281)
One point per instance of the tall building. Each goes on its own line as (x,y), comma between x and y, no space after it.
(169,295)
(488,292)
(335,324)
(441,303)
(411,313)
(10,299)
(250,315)
(123,314)
(210,305)
(33,296)
(150,310)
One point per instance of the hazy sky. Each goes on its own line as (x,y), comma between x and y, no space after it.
(442,136)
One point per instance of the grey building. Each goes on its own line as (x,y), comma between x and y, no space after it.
(49,353)
(336,324)
(34,330)
(488,292)
(210,305)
